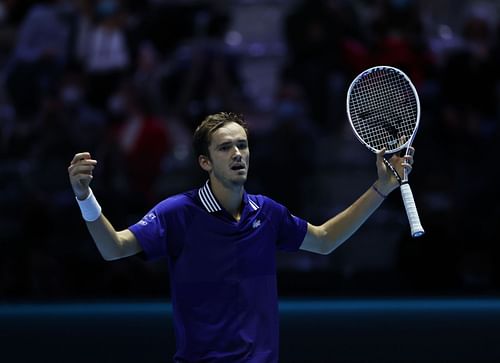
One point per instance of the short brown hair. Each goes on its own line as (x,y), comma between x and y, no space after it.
(202,135)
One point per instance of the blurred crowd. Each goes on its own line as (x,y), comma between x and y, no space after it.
(129,80)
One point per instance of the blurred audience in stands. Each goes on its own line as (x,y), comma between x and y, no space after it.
(128,80)
(38,58)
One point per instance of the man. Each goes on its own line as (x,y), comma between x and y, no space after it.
(220,244)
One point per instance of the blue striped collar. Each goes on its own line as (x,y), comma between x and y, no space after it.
(208,200)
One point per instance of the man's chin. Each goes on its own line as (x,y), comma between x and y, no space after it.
(239,180)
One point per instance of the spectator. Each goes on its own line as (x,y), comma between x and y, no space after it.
(105,53)
(205,74)
(37,61)
(315,33)
(143,138)
(398,40)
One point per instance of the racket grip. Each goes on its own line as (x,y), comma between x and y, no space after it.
(411,210)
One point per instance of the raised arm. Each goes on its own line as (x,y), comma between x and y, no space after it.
(111,244)
(327,237)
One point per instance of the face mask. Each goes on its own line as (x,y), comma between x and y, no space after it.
(400,4)
(71,95)
(290,110)
(106,8)
(116,105)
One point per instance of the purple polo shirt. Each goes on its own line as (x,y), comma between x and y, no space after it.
(222,271)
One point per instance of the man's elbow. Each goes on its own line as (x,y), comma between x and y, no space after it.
(113,256)
(109,258)
(333,245)
(320,248)
(110,255)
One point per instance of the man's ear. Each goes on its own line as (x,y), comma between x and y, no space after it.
(205,163)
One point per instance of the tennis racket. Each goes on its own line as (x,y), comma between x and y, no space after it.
(384,111)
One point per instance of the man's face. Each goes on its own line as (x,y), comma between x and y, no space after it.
(229,155)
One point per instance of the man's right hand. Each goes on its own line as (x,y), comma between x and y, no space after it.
(80,174)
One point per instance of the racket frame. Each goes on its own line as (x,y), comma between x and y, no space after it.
(406,193)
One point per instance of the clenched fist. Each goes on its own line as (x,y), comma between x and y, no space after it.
(80,174)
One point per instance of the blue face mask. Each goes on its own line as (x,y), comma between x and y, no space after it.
(71,95)
(106,8)
(400,4)
(289,110)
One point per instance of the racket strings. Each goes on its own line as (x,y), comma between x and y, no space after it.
(383,108)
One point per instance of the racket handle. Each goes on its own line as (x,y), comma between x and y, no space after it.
(411,210)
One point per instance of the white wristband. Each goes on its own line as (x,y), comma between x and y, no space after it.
(91,210)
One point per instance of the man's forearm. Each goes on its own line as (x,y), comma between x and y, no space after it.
(343,225)
(112,244)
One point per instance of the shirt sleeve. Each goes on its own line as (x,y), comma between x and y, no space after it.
(150,232)
(291,230)
(162,230)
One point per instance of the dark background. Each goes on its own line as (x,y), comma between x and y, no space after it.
(129,80)
(132,94)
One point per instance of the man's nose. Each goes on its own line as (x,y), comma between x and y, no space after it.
(237,153)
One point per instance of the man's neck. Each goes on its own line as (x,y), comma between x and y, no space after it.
(230,198)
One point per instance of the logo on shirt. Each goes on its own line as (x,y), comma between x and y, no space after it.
(256,223)
(147,219)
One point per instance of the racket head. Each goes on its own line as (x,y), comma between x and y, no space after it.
(383,109)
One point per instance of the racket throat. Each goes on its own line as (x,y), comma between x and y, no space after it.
(393,170)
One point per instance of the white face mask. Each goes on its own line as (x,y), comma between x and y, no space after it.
(116,104)
(71,95)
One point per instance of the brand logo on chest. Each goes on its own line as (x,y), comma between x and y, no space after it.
(256,223)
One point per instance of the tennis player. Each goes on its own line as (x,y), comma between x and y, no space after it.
(220,244)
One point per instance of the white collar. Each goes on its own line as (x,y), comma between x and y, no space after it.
(207,199)
(210,203)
